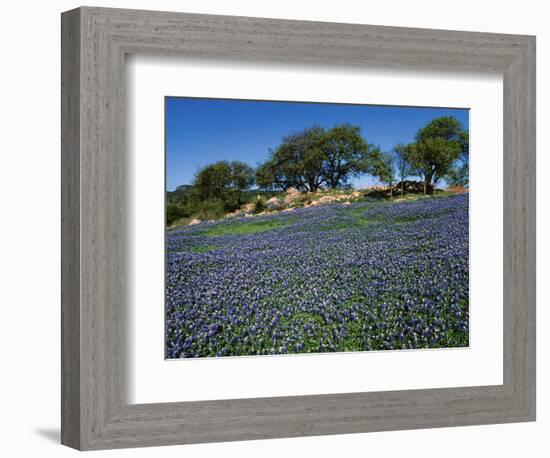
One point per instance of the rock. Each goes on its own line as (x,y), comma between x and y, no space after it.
(355,194)
(327,199)
(413,187)
(248,208)
(346,203)
(288,210)
(291,195)
(194,221)
(274,204)
(291,191)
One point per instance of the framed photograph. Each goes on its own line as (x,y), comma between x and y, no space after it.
(277,228)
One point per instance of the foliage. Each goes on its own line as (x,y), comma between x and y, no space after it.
(223,182)
(266,176)
(447,128)
(402,166)
(384,169)
(259,206)
(432,158)
(317,158)
(464,144)
(458,175)
(207,209)
(298,161)
(346,154)
(436,150)
(183,205)
(175,212)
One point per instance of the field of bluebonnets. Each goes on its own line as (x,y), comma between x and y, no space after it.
(368,276)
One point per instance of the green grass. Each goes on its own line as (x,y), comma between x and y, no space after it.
(247,227)
(359,210)
(343,225)
(204,248)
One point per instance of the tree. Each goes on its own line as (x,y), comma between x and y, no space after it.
(265,176)
(464,144)
(346,154)
(459,174)
(446,127)
(297,162)
(431,159)
(309,155)
(438,146)
(242,176)
(212,181)
(383,170)
(402,165)
(223,181)
(273,174)
(316,158)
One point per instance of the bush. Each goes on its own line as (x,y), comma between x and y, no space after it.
(205,210)
(259,206)
(208,209)
(175,211)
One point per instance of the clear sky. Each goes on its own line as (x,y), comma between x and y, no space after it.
(203,131)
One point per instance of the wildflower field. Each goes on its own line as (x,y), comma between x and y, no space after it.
(372,275)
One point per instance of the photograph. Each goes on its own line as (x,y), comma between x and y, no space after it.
(299,227)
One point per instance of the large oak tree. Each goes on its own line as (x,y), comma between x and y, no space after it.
(318,158)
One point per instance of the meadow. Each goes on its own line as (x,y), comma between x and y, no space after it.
(371,275)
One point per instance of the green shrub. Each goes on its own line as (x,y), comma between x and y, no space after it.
(259,206)
(175,211)
(206,210)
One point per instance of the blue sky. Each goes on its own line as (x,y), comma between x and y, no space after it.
(203,131)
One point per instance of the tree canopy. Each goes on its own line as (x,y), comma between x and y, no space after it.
(297,162)
(447,128)
(431,159)
(345,154)
(223,181)
(436,150)
(318,158)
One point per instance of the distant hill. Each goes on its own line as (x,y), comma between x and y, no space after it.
(251,193)
(181,189)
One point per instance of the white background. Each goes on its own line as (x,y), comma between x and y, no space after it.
(30,246)
(150,79)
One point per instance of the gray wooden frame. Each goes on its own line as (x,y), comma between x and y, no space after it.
(95,413)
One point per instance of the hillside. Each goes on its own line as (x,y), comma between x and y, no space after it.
(338,276)
(260,203)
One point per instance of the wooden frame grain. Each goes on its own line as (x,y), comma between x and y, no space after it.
(95,413)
